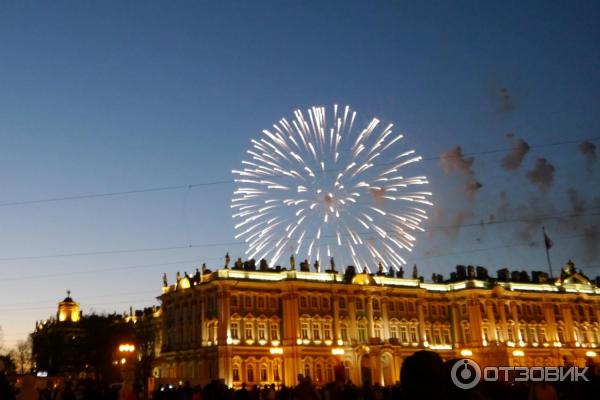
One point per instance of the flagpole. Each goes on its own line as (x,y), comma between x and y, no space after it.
(547,247)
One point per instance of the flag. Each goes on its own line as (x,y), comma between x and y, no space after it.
(548,242)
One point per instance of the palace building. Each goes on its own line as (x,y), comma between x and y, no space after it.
(261,325)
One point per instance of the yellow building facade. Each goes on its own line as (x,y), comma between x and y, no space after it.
(263,327)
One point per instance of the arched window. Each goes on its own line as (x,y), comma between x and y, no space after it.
(306,370)
(274,331)
(510,331)
(466,331)
(263,373)
(250,373)
(236,372)
(327,330)
(344,332)
(248,331)
(319,373)
(377,331)
(362,332)
(561,333)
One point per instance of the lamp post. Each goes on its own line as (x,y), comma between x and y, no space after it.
(125,361)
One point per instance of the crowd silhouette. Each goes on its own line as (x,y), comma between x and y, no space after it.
(424,376)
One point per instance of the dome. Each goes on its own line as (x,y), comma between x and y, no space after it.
(68,309)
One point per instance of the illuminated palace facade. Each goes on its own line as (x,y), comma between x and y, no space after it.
(262,327)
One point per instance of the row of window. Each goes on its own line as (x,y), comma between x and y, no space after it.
(254,301)
(250,330)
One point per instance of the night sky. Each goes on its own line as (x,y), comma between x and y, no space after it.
(105,97)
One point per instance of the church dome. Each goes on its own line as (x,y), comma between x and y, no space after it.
(68,309)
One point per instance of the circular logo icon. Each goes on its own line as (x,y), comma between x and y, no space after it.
(465,374)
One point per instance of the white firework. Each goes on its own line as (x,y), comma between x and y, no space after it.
(316,187)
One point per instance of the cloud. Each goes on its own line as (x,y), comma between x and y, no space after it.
(453,161)
(506,103)
(588,151)
(577,203)
(542,174)
(514,158)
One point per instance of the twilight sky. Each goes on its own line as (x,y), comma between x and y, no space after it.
(99,97)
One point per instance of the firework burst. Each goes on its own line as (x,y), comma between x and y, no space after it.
(318,187)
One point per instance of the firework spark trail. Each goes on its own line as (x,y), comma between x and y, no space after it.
(301,193)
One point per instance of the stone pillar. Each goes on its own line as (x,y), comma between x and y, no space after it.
(337,335)
(491,322)
(353,334)
(515,314)
(203,330)
(223,307)
(421,314)
(291,319)
(568,319)
(503,324)
(456,334)
(386,322)
(475,321)
(371,325)
(551,330)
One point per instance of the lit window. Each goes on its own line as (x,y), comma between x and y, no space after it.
(359,304)
(344,332)
(394,332)
(249,329)
(523,333)
(362,333)
(437,338)
(447,339)
(274,331)
(306,370)
(262,331)
(327,331)
(319,373)
(304,330)
(510,333)
(316,332)
(235,330)
(377,331)
(263,373)
(413,334)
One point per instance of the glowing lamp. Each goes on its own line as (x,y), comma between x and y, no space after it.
(590,353)
(337,351)
(466,353)
(276,350)
(518,353)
